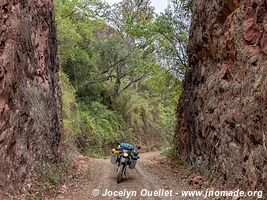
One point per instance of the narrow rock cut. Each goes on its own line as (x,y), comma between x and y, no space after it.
(223,110)
(29,90)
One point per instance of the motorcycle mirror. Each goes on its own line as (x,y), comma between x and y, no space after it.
(138,147)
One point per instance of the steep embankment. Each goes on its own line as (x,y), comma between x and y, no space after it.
(29,90)
(223,110)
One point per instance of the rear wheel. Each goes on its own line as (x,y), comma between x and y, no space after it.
(120,173)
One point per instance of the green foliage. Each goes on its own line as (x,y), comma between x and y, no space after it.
(70,108)
(169,152)
(73,29)
(119,72)
(90,124)
(36,198)
(137,110)
(101,126)
(166,35)
(210,174)
(53,179)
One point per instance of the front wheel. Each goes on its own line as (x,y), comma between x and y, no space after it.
(120,173)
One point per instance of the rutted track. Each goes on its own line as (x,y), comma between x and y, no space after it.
(148,174)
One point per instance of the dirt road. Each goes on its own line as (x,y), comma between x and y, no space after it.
(152,174)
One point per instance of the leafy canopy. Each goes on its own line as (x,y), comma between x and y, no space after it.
(121,74)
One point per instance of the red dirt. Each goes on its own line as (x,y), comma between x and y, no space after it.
(153,172)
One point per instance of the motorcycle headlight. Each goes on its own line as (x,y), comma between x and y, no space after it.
(125,154)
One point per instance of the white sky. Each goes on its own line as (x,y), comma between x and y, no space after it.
(159,5)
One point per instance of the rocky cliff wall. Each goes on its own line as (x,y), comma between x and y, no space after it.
(223,110)
(29,89)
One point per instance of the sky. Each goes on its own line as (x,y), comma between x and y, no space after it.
(159,5)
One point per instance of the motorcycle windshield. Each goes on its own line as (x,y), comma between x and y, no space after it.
(127,151)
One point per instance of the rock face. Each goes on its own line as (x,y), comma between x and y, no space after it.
(29,89)
(223,110)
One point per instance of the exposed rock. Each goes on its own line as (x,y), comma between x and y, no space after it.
(223,109)
(29,90)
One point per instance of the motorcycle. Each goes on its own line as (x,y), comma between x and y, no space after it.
(124,155)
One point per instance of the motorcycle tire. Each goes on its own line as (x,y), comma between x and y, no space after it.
(120,173)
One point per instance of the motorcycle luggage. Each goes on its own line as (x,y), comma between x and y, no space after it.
(127,146)
(135,157)
(114,158)
(132,164)
(114,151)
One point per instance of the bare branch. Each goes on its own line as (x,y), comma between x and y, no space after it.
(174,47)
(109,71)
(135,80)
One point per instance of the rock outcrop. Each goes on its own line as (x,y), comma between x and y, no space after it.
(222,122)
(29,89)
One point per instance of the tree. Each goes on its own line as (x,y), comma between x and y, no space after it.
(121,61)
(118,62)
(166,36)
(139,10)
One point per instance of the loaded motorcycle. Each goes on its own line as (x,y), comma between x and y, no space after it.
(124,155)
